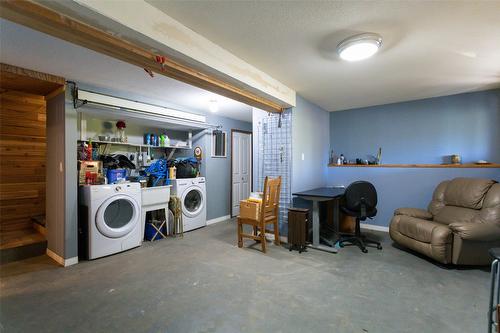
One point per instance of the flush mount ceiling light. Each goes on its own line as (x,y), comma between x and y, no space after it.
(213,106)
(359,47)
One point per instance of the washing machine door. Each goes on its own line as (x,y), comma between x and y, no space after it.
(117,216)
(193,201)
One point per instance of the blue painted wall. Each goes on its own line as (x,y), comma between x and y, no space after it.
(420,131)
(218,170)
(403,187)
(310,135)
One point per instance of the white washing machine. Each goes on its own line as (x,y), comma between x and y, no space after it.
(192,193)
(110,218)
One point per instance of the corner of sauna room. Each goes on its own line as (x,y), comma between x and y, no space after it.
(29,107)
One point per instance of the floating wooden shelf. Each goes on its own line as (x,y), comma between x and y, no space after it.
(469,165)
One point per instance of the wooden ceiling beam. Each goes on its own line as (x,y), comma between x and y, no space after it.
(40,18)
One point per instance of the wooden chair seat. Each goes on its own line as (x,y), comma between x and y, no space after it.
(269,215)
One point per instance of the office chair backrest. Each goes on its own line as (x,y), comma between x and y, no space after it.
(361,197)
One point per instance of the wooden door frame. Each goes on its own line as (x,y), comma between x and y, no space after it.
(231,169)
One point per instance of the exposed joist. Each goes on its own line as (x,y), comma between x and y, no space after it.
(48,21)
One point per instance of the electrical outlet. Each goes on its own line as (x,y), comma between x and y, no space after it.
(302,156)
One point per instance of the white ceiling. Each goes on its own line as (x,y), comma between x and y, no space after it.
(429,49)
(30,49)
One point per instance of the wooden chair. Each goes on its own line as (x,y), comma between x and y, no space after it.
(269,214)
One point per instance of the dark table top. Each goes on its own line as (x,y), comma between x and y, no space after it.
(322,192)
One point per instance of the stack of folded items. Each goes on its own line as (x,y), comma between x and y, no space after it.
(256,197)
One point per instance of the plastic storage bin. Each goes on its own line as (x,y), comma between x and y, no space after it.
(149,231)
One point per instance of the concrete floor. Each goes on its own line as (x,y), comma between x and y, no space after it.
(205,283)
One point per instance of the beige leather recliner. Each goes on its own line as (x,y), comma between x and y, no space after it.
(461,224)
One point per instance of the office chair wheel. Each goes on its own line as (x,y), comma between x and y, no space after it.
(379,247)
(364,250)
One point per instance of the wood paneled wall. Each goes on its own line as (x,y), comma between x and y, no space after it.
(22,159)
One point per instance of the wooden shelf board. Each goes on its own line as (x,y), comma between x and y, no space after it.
(468,165)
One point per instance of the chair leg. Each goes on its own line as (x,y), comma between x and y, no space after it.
(371,241)
(353,241)
(240,231)
(255,230)
(276,233)
(359,239)
(263,237)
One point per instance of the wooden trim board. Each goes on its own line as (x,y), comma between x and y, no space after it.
(38,17)
(32,74)
(30,81)
(60,260)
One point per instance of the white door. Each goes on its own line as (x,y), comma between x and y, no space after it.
(241,169)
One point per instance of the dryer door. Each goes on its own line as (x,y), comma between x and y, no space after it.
(192,201)
(117,216)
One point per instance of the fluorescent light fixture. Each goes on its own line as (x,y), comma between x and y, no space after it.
(213,106)
(359,47)
(126,104)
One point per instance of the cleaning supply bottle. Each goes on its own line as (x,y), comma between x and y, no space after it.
(89,151)
(172,172)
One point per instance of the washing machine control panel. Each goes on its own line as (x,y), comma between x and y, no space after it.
(118,189)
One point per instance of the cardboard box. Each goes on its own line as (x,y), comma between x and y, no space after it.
(88,166)
(249,210)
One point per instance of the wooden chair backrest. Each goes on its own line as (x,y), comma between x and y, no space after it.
(271,197)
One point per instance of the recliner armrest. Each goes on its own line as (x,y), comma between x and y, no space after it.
(482,232)
(414,212)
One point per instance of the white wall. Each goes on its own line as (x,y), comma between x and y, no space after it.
(310,137)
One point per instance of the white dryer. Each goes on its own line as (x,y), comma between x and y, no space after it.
(111,215)
(192,193)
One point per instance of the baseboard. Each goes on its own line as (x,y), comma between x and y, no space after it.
(60,260)
(374,227)
(218,219)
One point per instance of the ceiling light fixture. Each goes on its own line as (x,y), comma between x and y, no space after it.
(213,106)
(359,47)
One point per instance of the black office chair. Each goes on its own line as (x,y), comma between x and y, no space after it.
(360,201)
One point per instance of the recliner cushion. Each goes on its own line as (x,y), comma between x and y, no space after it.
(467,192)
(424,230)
(452,214)
(440,245)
